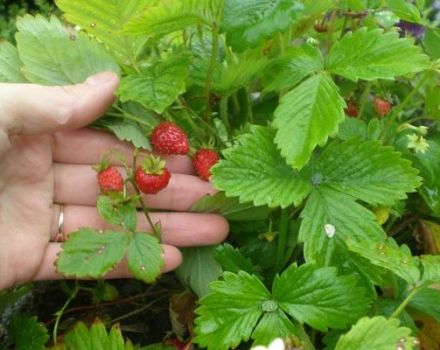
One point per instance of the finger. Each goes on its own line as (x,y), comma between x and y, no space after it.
(77,184)
(88,146)
(37,109)
(178,229)
(47,271)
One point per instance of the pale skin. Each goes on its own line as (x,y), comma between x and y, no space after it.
(46,158)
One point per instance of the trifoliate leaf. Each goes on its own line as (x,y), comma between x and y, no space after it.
(373,173)
(230,208)
(431,268)
(247,22)
(373,54)
(199,268)
(129,132)
(319,297)
(273,325)
(390,256)
(255,171)
(376,333)
(10,64)
(231,259)
(228,315)
(291,68)
(167,17)
(55,55)
(27,333)
(144,257)
(104,19)
(158,85)
(329,219)
(88,253)
(427,301)
(95,338)
(306,117)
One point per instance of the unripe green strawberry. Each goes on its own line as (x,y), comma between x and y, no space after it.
(381,106)
(203,160)
(169,138)
(152,176)
(110,180)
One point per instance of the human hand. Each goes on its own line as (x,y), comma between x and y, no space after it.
(46,157)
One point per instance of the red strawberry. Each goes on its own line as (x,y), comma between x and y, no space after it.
(152,176)
(110,180)
(381,106)
(175,343)
(351,110)
(169,138)
(203,160)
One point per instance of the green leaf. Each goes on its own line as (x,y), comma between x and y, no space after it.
(230,208)
(255,171)
(144,257)
(199,269)
(427,301)
(231,259)
(170,17)
(88,253)
(373,54)
(390,256)
(55,55)
(290,69)
(376,333)
(117,213)
(9,297)
(319,297)
(432,42)
(10,64)
(352,128)
(431,268)
(404,10)
(130,132)
(27,333)
(237,74)
(158,86)
(273,325)
(104,19)
(248,22)
(306,117)
(368,171)
(230,312)
(329,219)
(95,338)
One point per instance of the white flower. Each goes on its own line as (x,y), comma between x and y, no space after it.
(418,143)
(330,230)
(277,344)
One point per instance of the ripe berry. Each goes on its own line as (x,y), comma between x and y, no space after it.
(152,176)
(110,180)
(203,160)
(381,106)
(351,110)
(169,138)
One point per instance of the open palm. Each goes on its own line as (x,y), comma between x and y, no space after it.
(45,158)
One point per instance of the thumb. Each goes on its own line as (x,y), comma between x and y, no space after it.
(37,109)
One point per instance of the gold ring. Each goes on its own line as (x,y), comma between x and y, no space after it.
(59,237)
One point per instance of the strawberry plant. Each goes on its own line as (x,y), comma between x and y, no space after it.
(316,122)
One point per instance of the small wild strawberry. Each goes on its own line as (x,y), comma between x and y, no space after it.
(152,176)
(320,27)
(169,138)
(203,160)
(110,180)
(381,106)
(351,110)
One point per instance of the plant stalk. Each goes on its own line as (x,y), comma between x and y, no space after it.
(211,68)
(405,302)
(282,239)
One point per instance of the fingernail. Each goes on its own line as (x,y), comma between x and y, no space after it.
(101,78)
